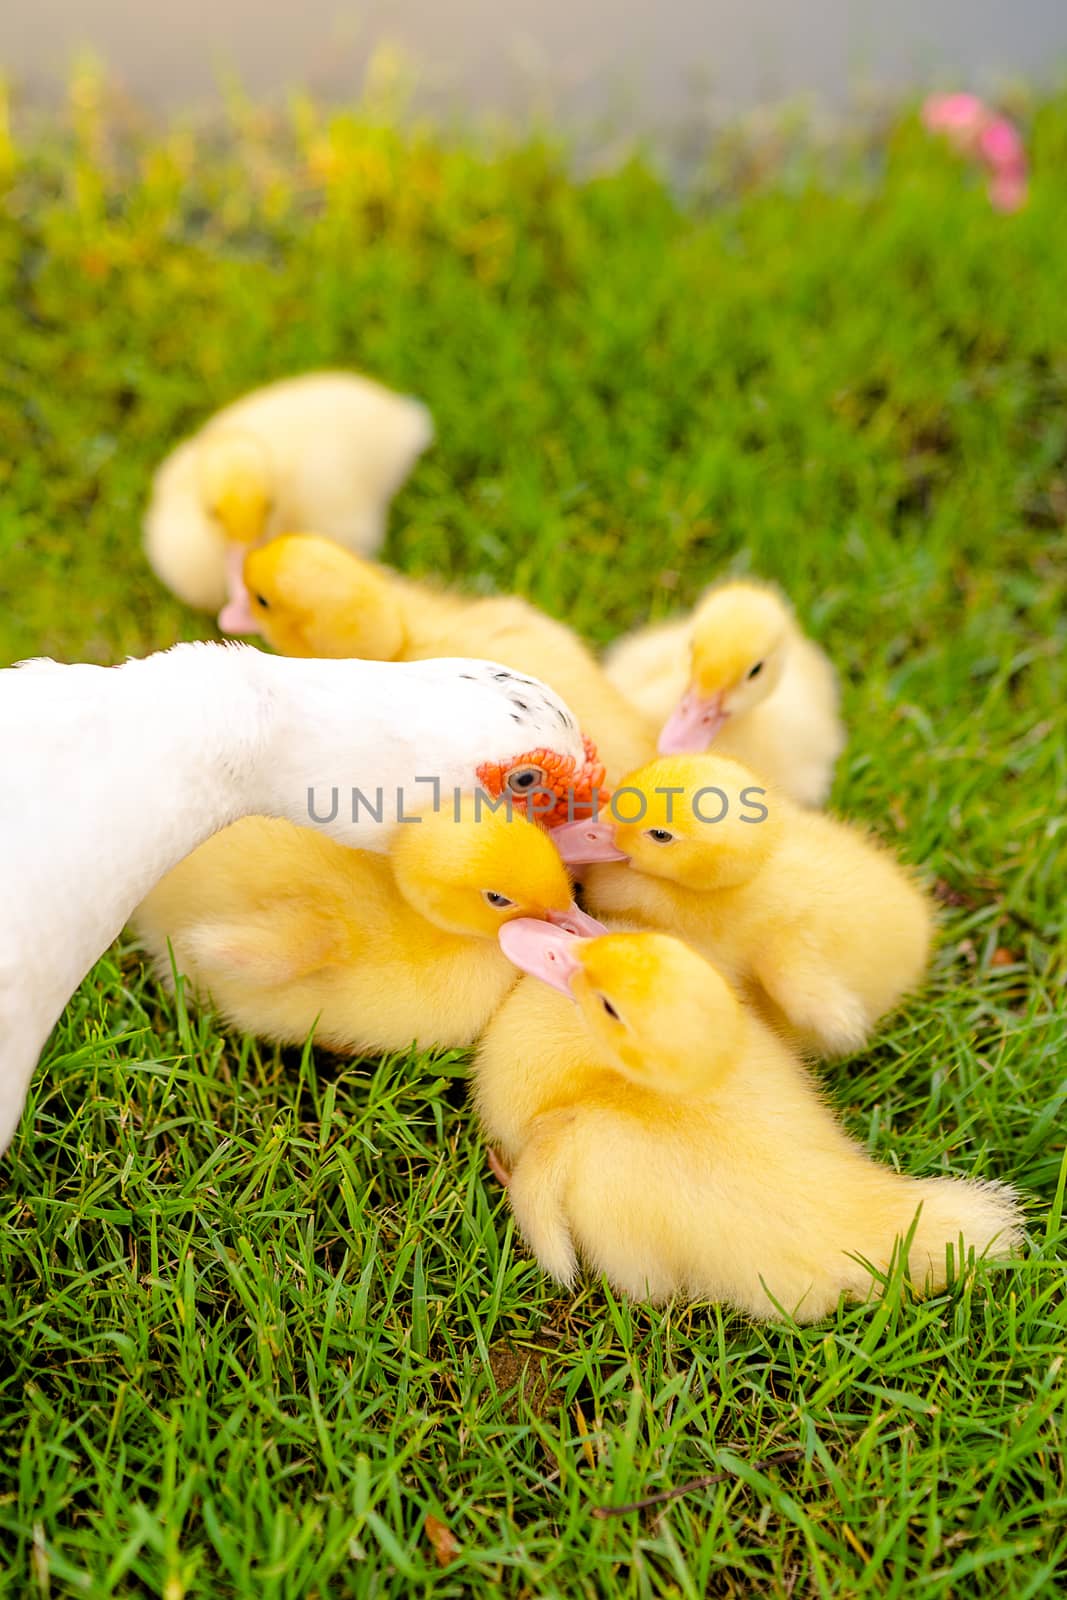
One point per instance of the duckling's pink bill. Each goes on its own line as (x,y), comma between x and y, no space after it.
(575,921)
(541,950)
(579,843)
(236,615)
(692,725)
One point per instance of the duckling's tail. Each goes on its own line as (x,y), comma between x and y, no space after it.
(961,1215)
(538,1189)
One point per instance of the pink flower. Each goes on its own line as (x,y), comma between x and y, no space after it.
(1000,145)
(961,116)
(975,130)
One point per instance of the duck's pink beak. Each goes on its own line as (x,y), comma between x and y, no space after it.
(236,615)
(580,843)
(541,950)
(576,921)
(692,725)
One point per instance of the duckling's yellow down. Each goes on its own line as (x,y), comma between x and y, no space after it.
(287,932)
(818,917)
(311,598)
(681,1149)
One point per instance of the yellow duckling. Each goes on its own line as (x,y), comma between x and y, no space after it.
(288,932)
(308,597)
(739,672)
(662,1133)
(824,923)
(326,450)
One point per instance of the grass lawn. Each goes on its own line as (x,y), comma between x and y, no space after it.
(263,1312)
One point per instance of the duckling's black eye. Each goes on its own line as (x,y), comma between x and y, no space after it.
(261,600)
(755,671)
(522,779)
(660,835)
(500,901)
(609,1008)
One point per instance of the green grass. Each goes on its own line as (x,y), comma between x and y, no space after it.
(263,1312)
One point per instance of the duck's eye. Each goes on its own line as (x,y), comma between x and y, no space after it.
(499,901)
(755,671)
(521,780)
(659,835)
(609,1008)
(261,600)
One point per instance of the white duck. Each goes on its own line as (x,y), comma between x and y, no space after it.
(325,451)
(114,774)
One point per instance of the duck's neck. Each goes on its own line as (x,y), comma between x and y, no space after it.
(313,725)
(230,731)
